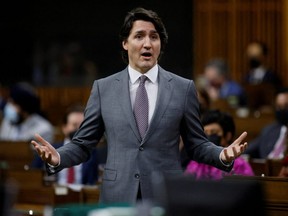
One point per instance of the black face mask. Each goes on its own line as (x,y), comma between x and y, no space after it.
(282,116)
(254,63)
(215,139)
(71,134)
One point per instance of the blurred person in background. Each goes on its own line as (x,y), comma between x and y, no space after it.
(2,102)
(271,141)
(204,100)
(220,86)
(259,72)
(220,129)
(85,173)
(22,115)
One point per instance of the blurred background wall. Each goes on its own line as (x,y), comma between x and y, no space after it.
(71,43)
(74,42)
(223,28)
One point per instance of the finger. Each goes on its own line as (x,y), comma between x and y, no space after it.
(241,137)
(235,152)
(228,157)
(36,146)
(245,145)
(41,140)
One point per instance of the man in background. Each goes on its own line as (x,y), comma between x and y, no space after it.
(85,173)
(259,72)
(220,86)
(271,141)
(22,115)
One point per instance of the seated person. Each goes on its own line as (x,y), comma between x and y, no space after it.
(84,173)
(220,86)
(259,72)
(272,136)
(220,129)
(22,116)
(204,100)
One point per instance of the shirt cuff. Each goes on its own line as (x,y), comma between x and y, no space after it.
(52,167)
(224,163)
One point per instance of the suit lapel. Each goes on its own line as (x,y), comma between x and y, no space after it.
(164,94)
(122,90)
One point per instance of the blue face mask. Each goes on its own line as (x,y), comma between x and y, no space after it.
(10,113)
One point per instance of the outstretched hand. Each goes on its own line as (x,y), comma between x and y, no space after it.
(45,150)
(234,150)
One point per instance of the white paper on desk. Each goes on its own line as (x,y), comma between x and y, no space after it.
(113,211)
(61,190)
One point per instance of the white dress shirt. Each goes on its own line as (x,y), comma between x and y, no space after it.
(151,87)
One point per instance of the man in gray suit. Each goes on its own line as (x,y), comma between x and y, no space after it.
(173,111)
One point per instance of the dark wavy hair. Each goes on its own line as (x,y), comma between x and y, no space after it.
(140,13)
(225,120)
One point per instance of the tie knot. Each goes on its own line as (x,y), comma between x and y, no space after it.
(143,78)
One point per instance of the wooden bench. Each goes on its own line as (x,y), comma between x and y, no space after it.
(16,154)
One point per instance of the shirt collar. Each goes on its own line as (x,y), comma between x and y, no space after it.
(151,74)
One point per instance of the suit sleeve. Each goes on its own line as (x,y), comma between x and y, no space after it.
(198,147)
(88,135)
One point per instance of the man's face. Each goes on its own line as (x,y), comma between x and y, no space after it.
(281,101)
(73,122)
(213,77)
(255,55)
(143,46)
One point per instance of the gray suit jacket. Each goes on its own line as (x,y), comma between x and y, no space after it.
(131,161)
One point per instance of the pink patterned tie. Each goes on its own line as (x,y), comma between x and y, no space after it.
(141,107)
(279,148)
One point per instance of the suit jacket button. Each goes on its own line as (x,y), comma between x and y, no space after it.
(141,148)
(137,176)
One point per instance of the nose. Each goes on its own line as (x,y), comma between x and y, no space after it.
(147,42)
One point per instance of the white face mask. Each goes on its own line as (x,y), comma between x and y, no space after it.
(10,113)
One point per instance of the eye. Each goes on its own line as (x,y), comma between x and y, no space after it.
(138,36)
(154,37)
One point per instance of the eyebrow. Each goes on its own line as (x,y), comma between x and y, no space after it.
(142,31)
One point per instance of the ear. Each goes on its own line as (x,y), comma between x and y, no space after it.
(124,45)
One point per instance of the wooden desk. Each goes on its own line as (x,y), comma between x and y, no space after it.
(90,194)
(38,199)
(265,167)
(275,190)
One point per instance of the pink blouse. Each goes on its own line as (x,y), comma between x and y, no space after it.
(204,171)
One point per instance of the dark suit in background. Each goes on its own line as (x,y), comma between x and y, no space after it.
(261,146)
(89,170)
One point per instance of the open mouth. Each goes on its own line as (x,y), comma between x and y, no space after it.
(146,54)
